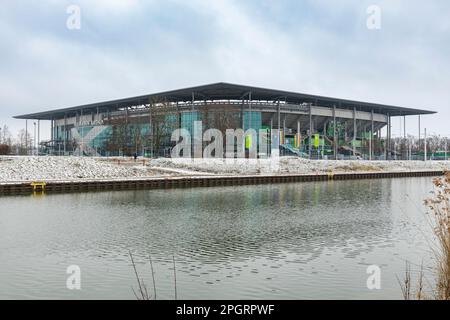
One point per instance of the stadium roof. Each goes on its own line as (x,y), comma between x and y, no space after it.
(227,91)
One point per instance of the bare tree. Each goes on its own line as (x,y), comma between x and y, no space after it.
(117,141)
(24,142)
(5,141)
(163,120)
(5,136)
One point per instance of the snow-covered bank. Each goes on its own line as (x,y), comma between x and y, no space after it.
(15,169)
(66,168)
(296,165)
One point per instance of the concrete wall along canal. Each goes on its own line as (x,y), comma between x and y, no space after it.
(191,182)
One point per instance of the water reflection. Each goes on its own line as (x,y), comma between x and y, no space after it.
(222,224)
(270,233)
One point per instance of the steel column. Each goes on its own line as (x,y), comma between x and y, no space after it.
(26,135)
(250,110)
(389,137)
(65,132)
(178,115)
(279,116)
(150,115)
(271,134)
(404,127)
(371,153)
(335,140)
(354,131)
(38,135)
(242,115)
(310,132)
(419,133)
(192,128)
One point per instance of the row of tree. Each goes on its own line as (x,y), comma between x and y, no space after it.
(19,145)
(434,145)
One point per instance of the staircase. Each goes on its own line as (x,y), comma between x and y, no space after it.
(290,150)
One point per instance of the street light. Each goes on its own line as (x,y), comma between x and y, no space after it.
(34,139)
(446,151)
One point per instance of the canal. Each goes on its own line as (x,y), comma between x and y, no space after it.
(283,241)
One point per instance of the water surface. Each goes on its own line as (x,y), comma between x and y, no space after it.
(283,241)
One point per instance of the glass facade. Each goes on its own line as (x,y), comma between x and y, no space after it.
(252,120)
(188,119)
(117,137)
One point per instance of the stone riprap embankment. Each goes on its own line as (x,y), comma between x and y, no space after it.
(15,169)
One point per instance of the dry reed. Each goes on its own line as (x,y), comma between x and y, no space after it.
(438,205)
(142,292)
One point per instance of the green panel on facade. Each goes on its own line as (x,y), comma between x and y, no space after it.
(252,120)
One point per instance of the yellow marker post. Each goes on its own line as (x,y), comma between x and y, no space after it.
(38,185)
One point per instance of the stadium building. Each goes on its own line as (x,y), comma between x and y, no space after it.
(305,125)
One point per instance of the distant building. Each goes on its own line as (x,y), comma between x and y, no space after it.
(306,125)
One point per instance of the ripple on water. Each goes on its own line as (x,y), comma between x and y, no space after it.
(309,240)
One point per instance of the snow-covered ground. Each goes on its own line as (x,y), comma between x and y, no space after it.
(66,168)
(297,165)
(76,168)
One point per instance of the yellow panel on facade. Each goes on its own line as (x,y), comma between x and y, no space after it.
(316,140)
(248,141)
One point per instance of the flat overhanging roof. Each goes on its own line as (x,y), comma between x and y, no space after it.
(227,91)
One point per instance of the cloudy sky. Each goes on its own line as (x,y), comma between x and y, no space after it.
(130,47)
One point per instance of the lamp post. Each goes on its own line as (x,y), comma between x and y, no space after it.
(425,145)
(33,150)
(410,149)
(446,147)
(26,137)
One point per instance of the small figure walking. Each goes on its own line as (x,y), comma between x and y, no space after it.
(135,156)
